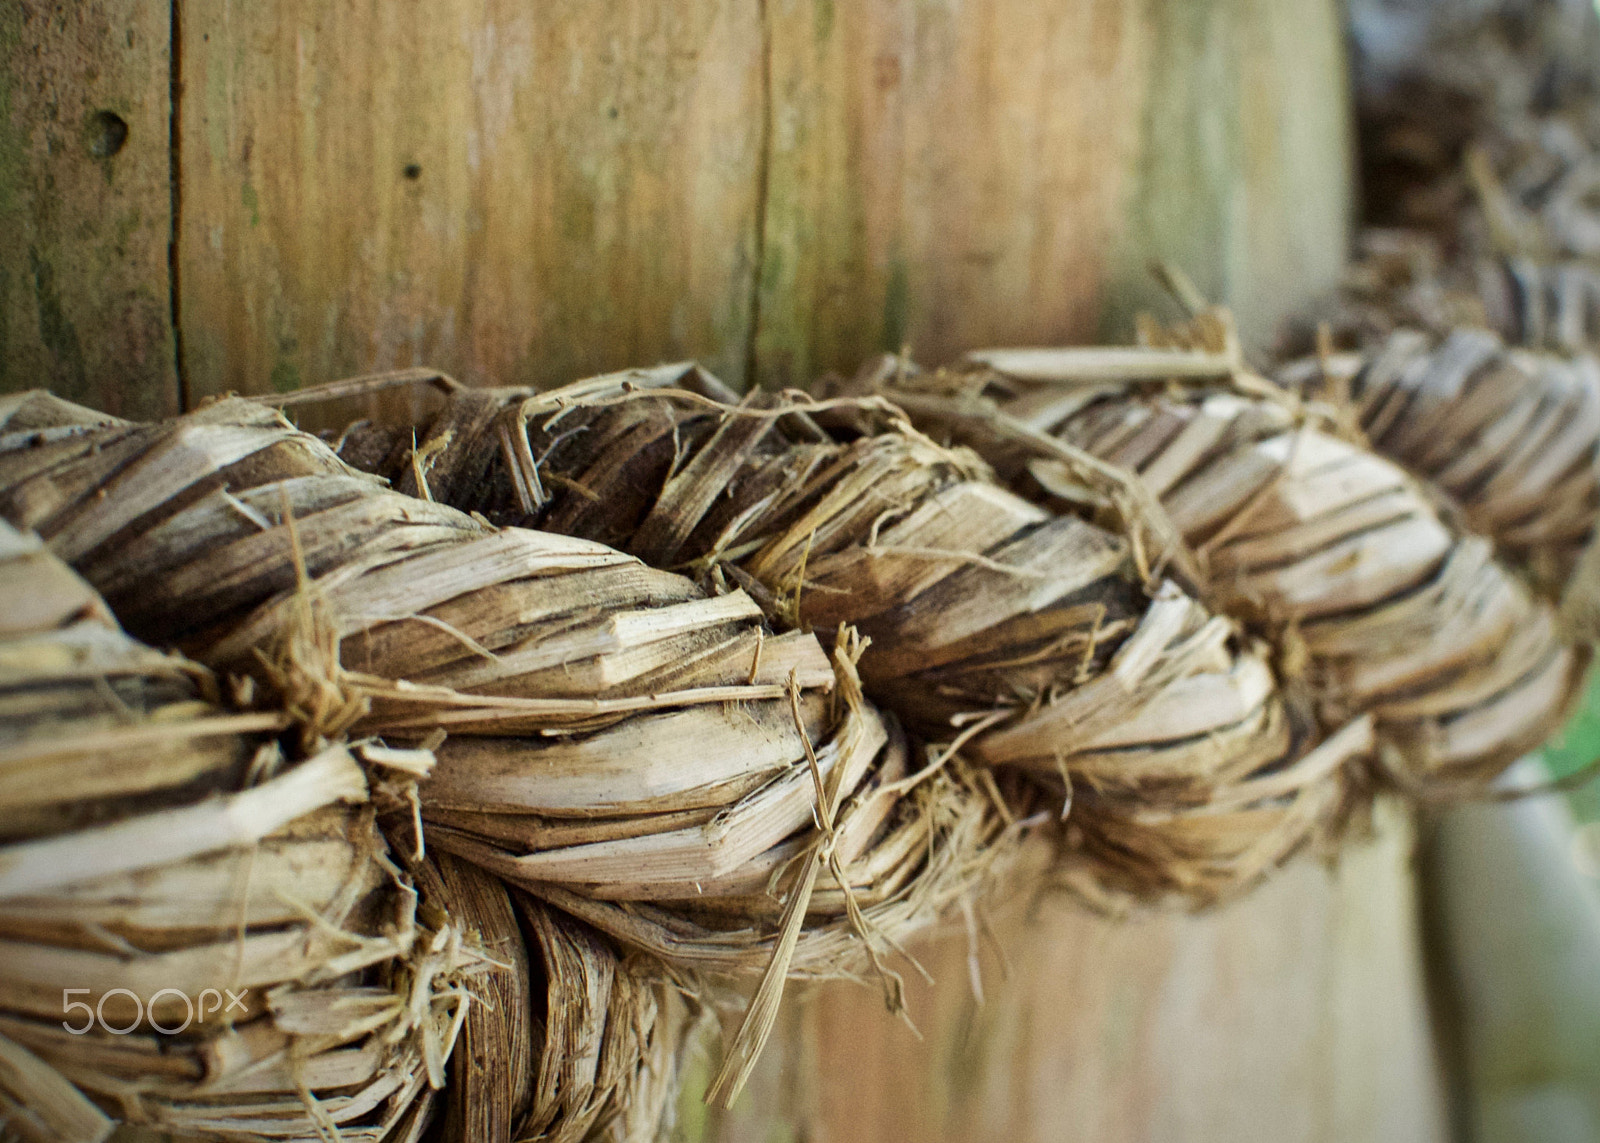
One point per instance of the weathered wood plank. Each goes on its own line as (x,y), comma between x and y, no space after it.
(513,192)
(85,203)
(530,193)
(1296,1015)
(942,175)
(1242,169)
(526,195)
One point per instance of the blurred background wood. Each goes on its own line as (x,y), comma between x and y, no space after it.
(524,193)
(1514,924)
(1242,175)
(1296,1014)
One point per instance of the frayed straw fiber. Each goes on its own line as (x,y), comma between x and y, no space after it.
(1510,439)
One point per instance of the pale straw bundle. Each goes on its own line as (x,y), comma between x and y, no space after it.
(104,495)
(1399,280)
(1482,87)
(1510,438)
(1026,639)
(244,957)
(1396,279)
(1381,605)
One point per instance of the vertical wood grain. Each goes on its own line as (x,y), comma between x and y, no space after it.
(85,203)
(515,192)
(942,175)
(1296,1014)
(1242,171)
(530,192)
(1298,154)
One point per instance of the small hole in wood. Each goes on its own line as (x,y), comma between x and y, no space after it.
(412,171)
(108,133)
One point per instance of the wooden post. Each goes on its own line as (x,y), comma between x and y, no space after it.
(1515,922)
(1296,1014)
(528,193)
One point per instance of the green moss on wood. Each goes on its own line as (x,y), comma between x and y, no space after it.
(823,14)
(285,377)
(896,305)
(68,375)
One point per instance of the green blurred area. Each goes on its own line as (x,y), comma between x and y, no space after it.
(1575,747)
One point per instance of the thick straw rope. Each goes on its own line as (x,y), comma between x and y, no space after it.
(616,740)
(601,697)
(1033,641)
(1378,605)
(681,764)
